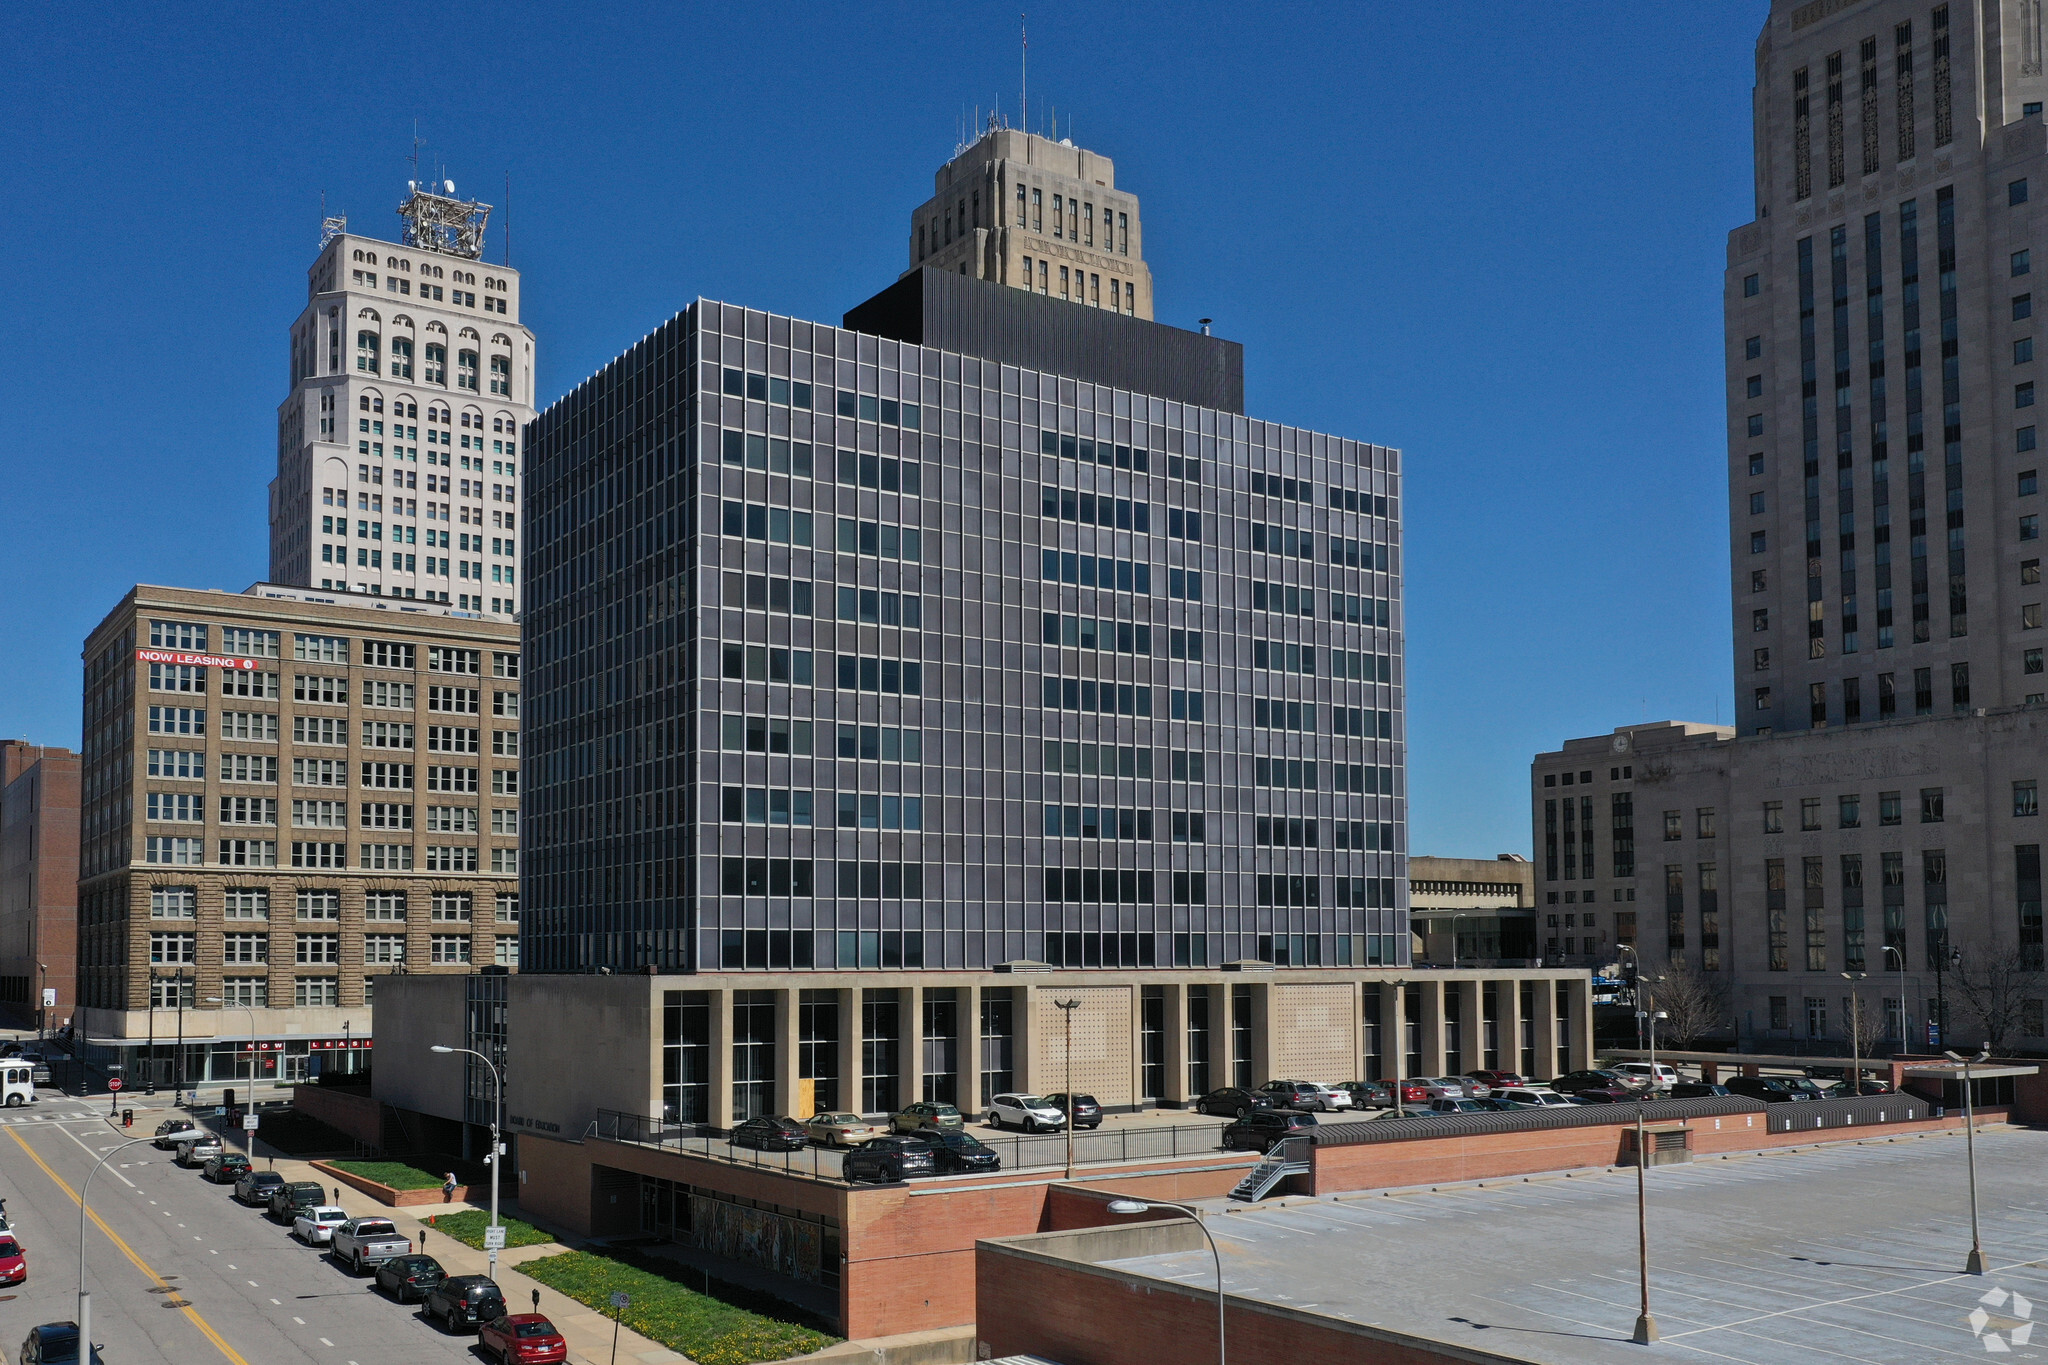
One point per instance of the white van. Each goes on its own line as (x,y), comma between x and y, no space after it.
(1657,1076)
(17,1083)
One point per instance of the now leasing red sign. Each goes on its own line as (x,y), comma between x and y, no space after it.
(172,656)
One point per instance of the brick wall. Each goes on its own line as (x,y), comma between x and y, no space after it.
(352,1111)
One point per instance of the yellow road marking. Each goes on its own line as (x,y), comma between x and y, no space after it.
(205,1327)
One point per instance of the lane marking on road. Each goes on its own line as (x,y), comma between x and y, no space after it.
(205,1327)
(300,1321)
(81,1142)
(325,1342)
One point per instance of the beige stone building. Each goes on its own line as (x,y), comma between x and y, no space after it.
(1474,911)
(721,1045)
(1037,214)
(288,794)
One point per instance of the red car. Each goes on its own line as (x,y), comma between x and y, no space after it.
(523,1339)
(13,1261)
(1495,1080)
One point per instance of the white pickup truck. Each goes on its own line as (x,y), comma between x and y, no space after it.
(365,1243)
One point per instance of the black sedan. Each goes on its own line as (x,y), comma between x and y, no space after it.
(226,1168)
(1233,1102)
(771,1135)
(888,1159)
(1087,1113)
(1594,1087)
(960,1154)
(1257,1132)
(406,1278)
(1696,1090)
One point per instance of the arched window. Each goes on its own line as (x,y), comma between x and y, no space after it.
(401,357)
(366,352)
(367,315)
(437,363)
(501,375)
(465,370)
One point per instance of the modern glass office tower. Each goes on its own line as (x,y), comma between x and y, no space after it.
(847,652)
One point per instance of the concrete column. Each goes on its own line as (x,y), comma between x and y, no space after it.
(1264,1028)
(1432,1027)
(849,1049)
(1581,996)
(1174,1091)
(1394,1030)
(721,1057)
(1472,1018)
(1024,1041)
(970,1049)
(788,1029)
(1357,1031)
(1512,1025)
(1545,1025)
(910,1051)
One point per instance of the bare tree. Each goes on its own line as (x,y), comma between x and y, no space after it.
(1992,988)
(1867,1019)
(1696,1001)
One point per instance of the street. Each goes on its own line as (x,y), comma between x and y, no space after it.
(195,1276)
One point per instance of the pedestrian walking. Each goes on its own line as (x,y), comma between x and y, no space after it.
(448,1189)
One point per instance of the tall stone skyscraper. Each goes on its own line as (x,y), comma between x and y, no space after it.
(398,444)
(1883,439)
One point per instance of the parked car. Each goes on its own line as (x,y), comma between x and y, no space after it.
(1367,1094)
(1769,1089)
(1233,1102)
(1649,1075)
(841,1129)
(925,1114)
(1442,1106)
(13,1260)
(1087,1113)
(1532,1097)
(1446,1087)
(1841,1090)
(315,1226)
(522,1339)
(167,1133)
(409,1277)
(463,1301)
(1260,1129)
(199,1151)
(1802,1086)
(287,1200)
(1029,1112)
(887,1159)
(254,1187)
(1697,1090)
(1413,1091)
(1594,1087)
(770,1134)
(53,1343)
(1495,1080)
(38,1066)
(1308,1095)
(225,1168)
(360,1243)
(960,1153)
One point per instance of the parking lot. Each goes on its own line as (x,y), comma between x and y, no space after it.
(1851,1252)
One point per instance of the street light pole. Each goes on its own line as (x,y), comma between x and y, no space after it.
(42,988)
(1900,955)
(1130,1206)
(1855,1034)
(1067,1008)
(248,1141)
(1975,1264)
(178,1086)
(497,1109)
(85,1299)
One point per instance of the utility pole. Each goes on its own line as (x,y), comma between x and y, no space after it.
(1855,1034)
(1944,956)
(1067,1008)
(178,1092)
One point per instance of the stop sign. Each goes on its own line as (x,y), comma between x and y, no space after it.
(114,1083)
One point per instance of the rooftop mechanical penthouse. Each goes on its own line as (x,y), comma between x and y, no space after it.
(851,653)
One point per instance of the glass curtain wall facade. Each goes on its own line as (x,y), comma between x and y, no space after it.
(849,653)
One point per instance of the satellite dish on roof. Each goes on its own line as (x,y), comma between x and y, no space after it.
(412,185)
(450,184)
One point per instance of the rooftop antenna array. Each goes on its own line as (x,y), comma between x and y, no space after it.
(331,225)
(436,220)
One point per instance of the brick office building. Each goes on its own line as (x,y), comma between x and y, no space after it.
(38,882)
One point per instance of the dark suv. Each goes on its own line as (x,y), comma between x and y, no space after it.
(1769,1089)
(1087,1113)
(1260,1129)
(287,1200)
(1233,1102)
(888,1159)
(464,1301)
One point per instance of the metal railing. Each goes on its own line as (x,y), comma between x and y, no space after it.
(1019,1152)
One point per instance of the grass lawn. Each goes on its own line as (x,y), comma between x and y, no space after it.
(396,1174)
(467,1227)
(711,1330)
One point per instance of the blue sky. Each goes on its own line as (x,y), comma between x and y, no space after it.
(1491,235)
